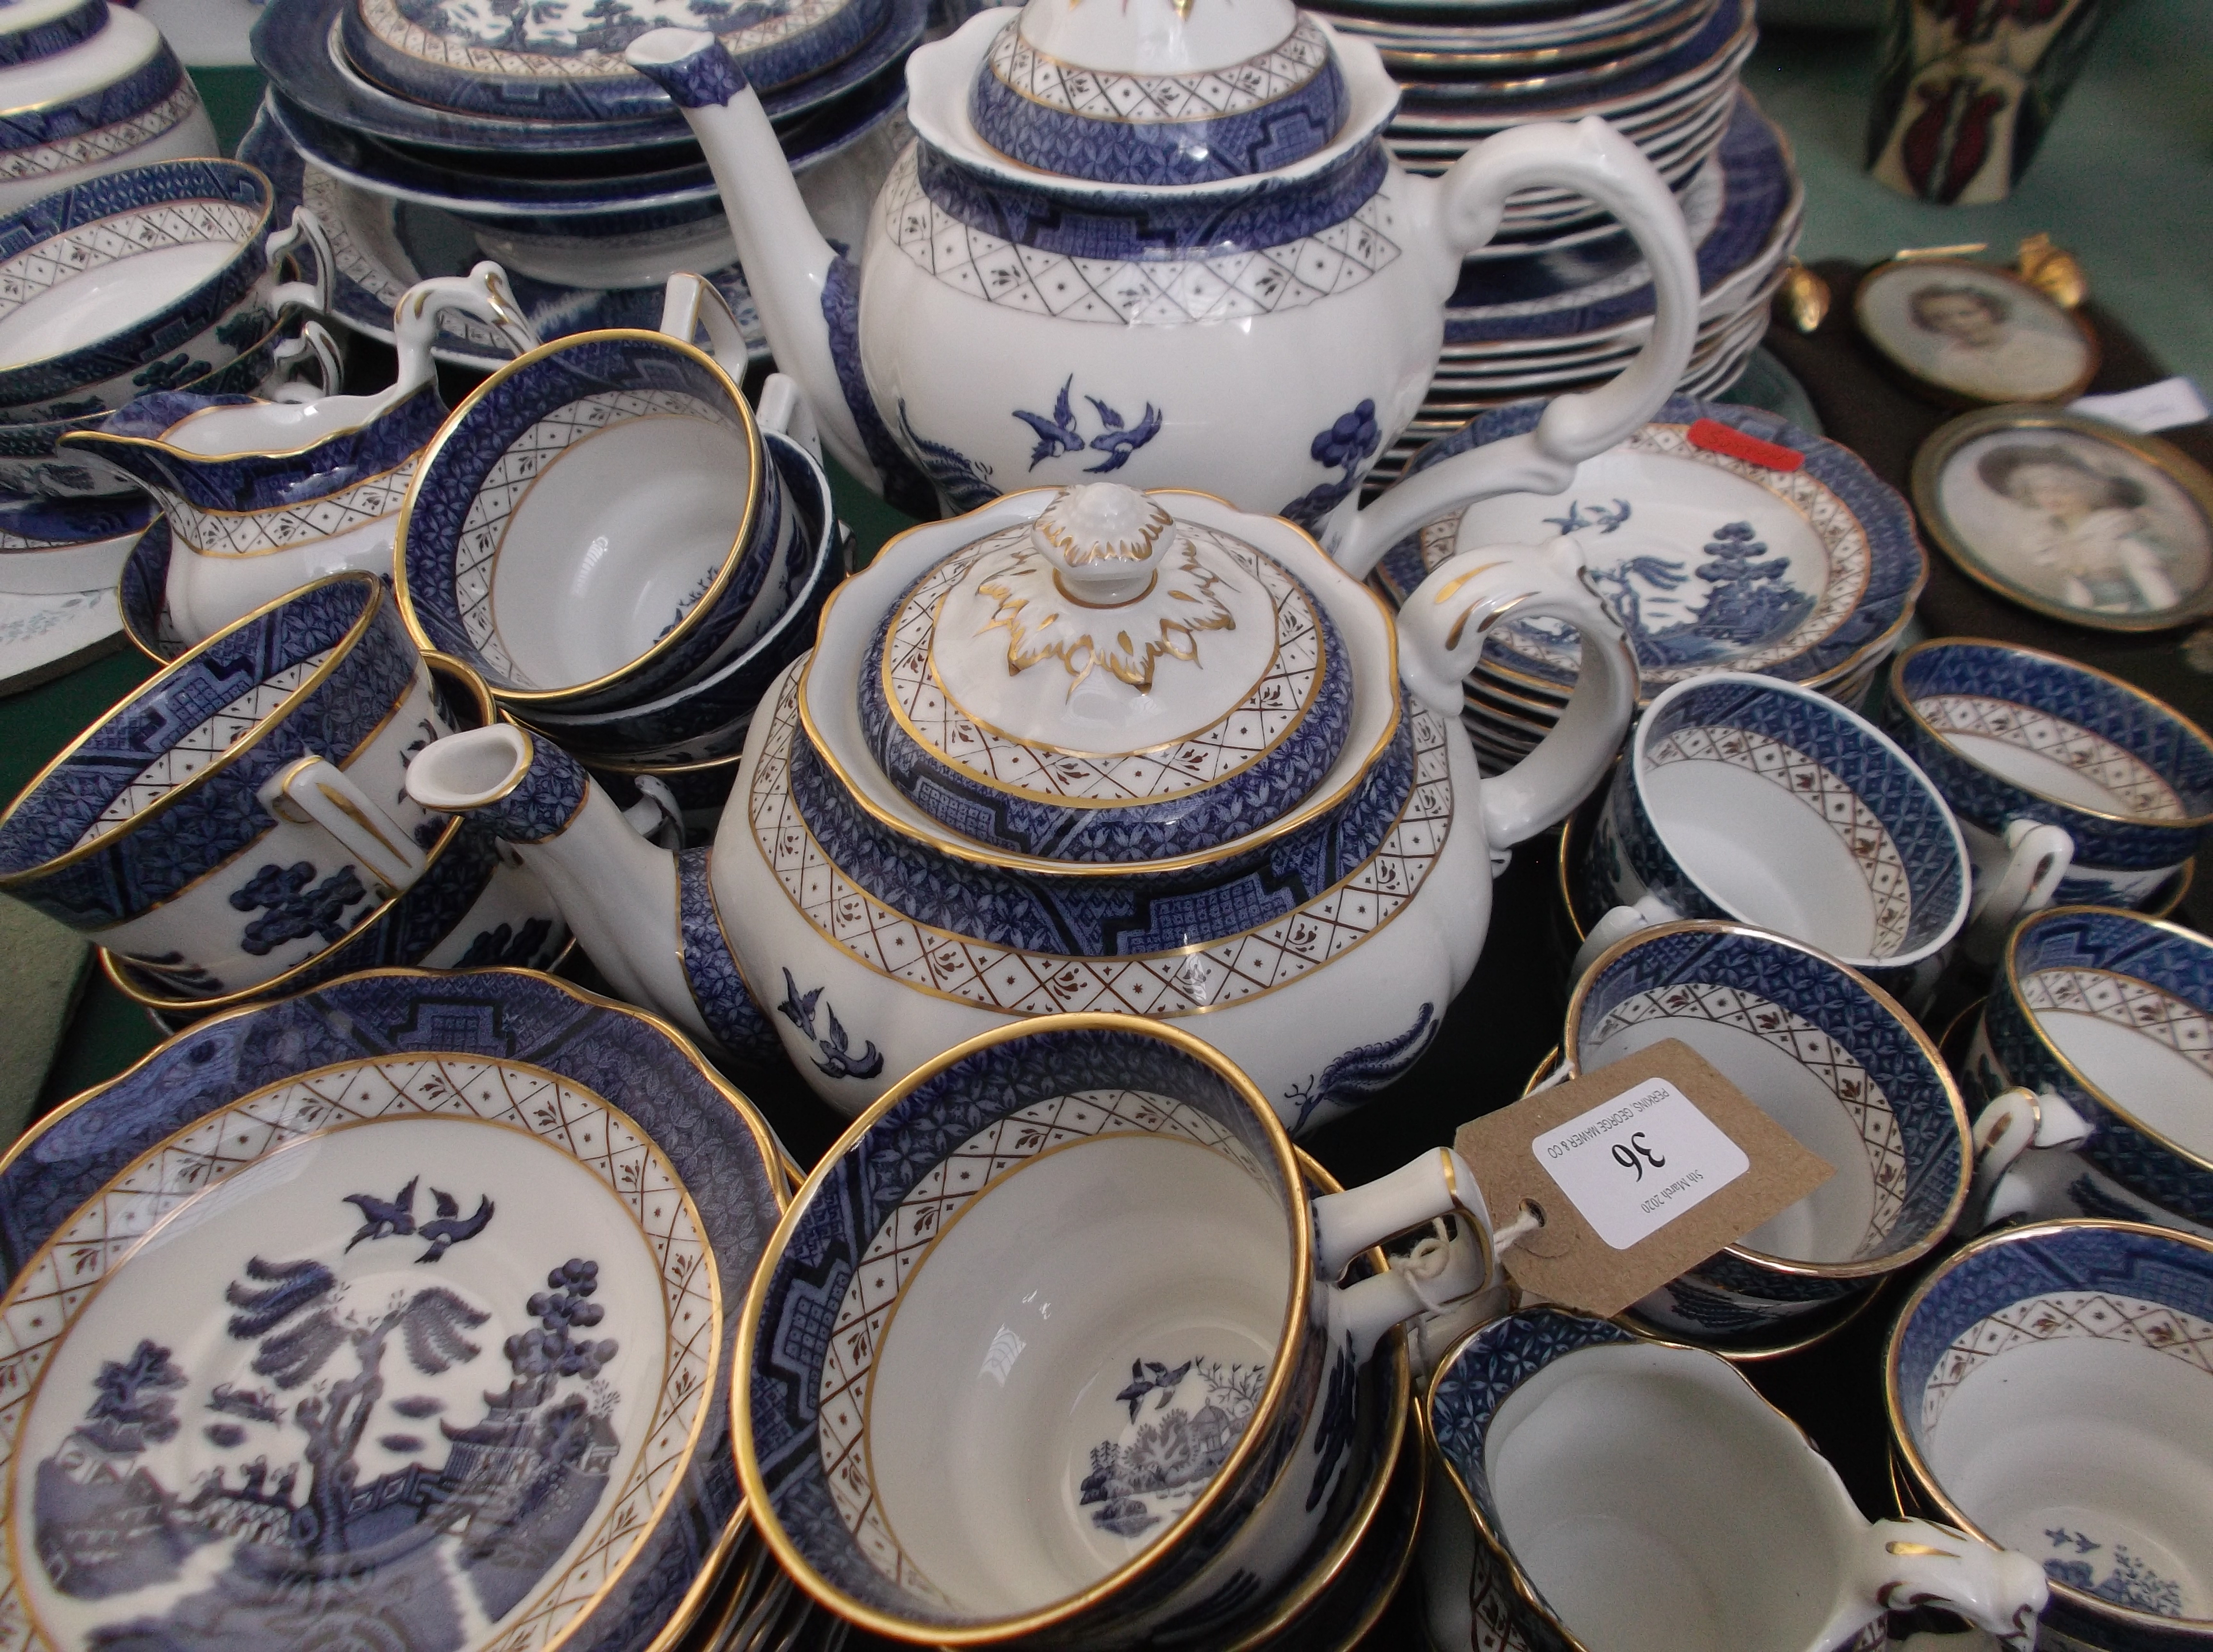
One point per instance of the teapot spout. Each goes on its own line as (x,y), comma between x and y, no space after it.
(644,915)
(809,295)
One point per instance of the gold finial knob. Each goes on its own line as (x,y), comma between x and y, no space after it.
(1805,297)
(2053,269)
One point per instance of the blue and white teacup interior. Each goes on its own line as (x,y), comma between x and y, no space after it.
(2051,1386)
(1828,1056)
(2008,733)
(2113,1013)
(529,548)
(1748,798)
(150,834)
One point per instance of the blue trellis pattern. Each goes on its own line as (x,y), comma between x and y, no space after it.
(215,815)
(502,1016)
(57,33)
(545,802)
(2119,738)
(562,59)
(710,968)
(1876,566)
(101,125)
(91,223)
(1148,259)
(2176,968)
(1251,765)
(1273,110)
(796,1420)
(2012,1291)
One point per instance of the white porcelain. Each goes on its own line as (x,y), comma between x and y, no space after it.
(1056,332)
(1087,1362)
(262,496)
(106,102)
(1611,1494)
(907,938)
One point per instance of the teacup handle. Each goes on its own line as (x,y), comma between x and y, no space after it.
(314,791)
(690,301)
(1437,1183)
(1916,1563)
(1616,925)
(482,293)
(1440,632)
(315,292)
(1594,159)
(2038,855)
(2010,1125)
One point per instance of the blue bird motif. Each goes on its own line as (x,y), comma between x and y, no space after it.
(1119,443)
(392,1218)
(1057,435)
(449,1227)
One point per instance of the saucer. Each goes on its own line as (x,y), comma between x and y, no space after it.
(47,636)
(1345,1613)
(51,548)
(382,248)
(490,1218)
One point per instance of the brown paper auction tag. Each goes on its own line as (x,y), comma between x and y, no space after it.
(1641,1169)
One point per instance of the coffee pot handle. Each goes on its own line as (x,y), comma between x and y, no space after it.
(2011,1125)
(315,792)
(1440,632)
(1593,159)
(1916,1563)
(1438,1184)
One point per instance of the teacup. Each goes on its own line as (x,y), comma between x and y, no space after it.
(144,279)
(243,810)
(708,716)
(2119,784)
(475,905)
(33,461)
(1050,1344)
(2092,1070)
(2048,1388)
(1595,1491)
(1826,1054)
(595,525)
(1748,798)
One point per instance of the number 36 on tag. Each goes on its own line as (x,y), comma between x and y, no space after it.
(1634,1163)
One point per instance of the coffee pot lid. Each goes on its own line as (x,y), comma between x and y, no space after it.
(1106,682)
(1159,92)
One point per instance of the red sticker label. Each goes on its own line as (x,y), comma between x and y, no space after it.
(1716,437)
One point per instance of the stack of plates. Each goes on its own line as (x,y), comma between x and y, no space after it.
(1560,299)
(1712,560)
(527,139)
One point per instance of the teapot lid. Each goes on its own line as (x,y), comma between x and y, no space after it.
(1159,92)
(1107,683)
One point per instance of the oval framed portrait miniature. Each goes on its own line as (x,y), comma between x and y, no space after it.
(2070,516)
(1971,334)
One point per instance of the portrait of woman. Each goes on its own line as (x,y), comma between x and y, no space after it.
(2072,520)
(1974,332)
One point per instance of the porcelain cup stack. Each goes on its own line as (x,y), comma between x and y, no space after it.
(1560,298)
(528,140)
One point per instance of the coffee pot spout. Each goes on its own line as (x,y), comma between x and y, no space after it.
(807,294)
(642,914)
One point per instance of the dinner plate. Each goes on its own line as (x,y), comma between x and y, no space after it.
(408,1297)
(1501,48)
(382,248)
(1712,562)
(1727,31)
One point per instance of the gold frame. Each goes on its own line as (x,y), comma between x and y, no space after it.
(2170,461)
(1943,394)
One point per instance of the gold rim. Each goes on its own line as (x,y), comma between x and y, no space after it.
(999,1630)
(2010,978)
(1871,1267)
(1946,393)
(2164,457)
(341,651)
(2167,905)
(978,854)
(1797,1341)
(1900,698)
(429,385)
(1906,1455)
(764,1141)
(120,971)
(755,481)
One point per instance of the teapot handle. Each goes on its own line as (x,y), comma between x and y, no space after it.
(1441,631)
(1594,159)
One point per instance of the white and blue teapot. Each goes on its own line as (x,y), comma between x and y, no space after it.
(1161,242)
(1084,749)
